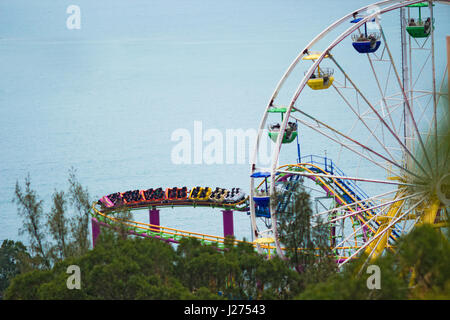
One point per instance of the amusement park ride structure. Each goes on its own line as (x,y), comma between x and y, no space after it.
(391,147)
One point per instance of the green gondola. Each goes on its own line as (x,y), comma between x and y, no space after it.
(287,138)
(291,129)
(419,29)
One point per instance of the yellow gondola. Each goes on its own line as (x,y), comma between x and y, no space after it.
(322,78)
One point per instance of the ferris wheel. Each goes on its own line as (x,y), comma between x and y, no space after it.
(363,110)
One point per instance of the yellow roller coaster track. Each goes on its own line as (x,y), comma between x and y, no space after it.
(166,233)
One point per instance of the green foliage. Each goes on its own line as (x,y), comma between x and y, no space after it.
(428,253)
(150,269)
(418,269)
(123,267)
(121,215)
(30,209)
(81,202)
(11,253)
(58,225)
(239,272)
(58,234)
(432,156)
(308,250)
(115,269)
(26,286)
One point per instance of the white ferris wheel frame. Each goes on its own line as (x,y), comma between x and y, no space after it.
(384,7)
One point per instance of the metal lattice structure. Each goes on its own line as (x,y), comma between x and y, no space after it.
(379,113)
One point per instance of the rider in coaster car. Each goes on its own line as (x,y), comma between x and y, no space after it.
(148,193)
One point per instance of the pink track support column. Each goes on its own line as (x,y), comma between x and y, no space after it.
(228,228)
(95,231)
(154,218)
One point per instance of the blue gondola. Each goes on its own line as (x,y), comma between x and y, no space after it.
(262,198)
(365,43)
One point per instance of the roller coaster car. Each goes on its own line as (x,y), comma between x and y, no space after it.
(176,193)
(148,194)
(200,193)
(131,196)
(225,195)
(235,195)
(137,196)
(106,202)
(122,199)
(116,198)
(368,44)
(289,135)
(204,193)
(194,193)
(218,195)
(182,193)
(170,193)
(158,194)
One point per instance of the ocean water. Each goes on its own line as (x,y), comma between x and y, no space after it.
(106,98)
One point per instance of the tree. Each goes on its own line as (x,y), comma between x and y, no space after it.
(424,258)
(417,269)
(308,247)
(10,266)
(30,209)
(68,231)
(58,225)
(80,200)
(114,269)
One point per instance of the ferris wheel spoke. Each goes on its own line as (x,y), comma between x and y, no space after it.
(367,223)
(382,121)
(384,231)
(383,205)
(364,123)
(441,93)
(382,93)
(354,203)
(407,104)
(353,141)
(420,72)
(355,232)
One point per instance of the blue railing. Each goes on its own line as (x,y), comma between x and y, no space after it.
(328,165)
(290,186)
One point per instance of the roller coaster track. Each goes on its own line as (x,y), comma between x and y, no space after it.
(156,231)
(166,234)
(343,193)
